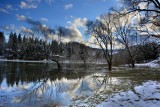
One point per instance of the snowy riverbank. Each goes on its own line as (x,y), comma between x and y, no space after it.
(145,95)
(153,64)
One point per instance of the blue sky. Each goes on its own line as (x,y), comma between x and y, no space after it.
(14,14)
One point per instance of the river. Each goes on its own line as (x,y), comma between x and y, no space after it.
(41,85)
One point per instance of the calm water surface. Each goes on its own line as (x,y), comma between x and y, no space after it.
(37,84)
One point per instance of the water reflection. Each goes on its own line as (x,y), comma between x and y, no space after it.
(29,84)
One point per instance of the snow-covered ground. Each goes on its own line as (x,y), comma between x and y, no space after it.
(154,64)
(145,95)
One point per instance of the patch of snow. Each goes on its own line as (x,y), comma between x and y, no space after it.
(147,95)
(153,64)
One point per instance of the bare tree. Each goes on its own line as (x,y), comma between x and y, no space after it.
(102,30)
(148,5)
(126,34)
(149,10)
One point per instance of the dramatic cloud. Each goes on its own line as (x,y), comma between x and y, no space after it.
(67,34)
(25,5)
(28,20)
(45,30)
(68,6)
(44,19)
(37,26)
(70,32)
(4,11)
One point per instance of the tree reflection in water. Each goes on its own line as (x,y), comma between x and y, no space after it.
(38,83)
(29,84)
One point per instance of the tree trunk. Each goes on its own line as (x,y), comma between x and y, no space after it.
(59,66)
(84,63)
(131,58)
(132,63)
(110,66)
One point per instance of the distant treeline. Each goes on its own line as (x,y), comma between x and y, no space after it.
(32,48)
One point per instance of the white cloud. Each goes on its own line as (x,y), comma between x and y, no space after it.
(79,22)
(72,30)
(26,30)
(4,11)
(74,26)
(68,6)
(71,34)
(9,28)
(20,17)
(142,5)
(25,5)
(28,4)
(9,6)
(68,22)
(77,34)
(38,1)
(44,19)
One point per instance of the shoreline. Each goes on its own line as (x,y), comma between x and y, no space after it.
(33,61)
(48,61)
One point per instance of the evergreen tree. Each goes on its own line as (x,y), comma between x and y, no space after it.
(24,39)
(15,46)
(54,47)
(19,39)
(10,41)
(19,44)
(2,43)
(14,43)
